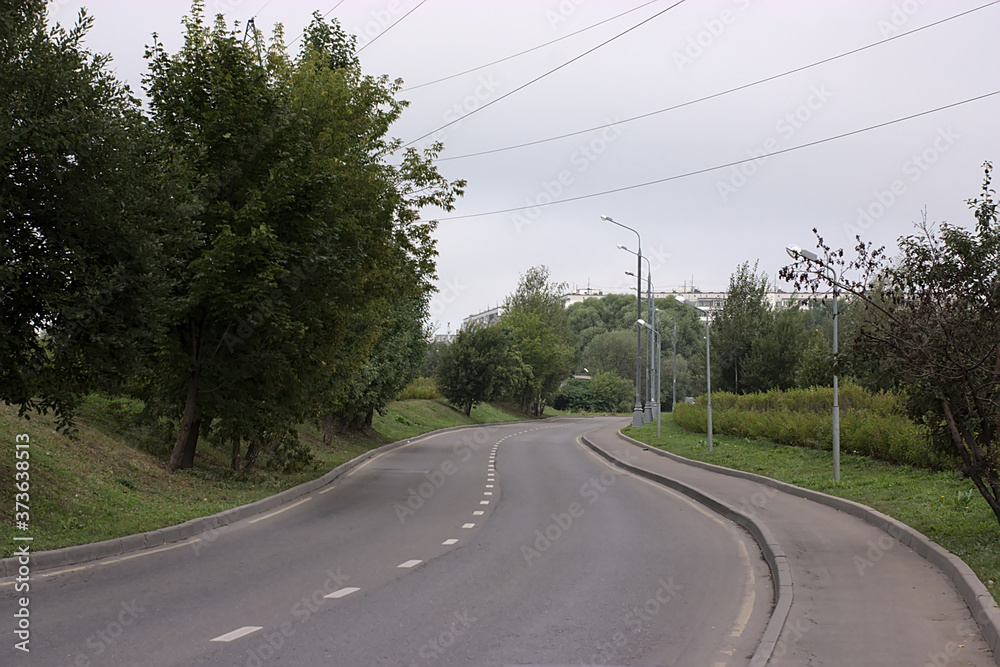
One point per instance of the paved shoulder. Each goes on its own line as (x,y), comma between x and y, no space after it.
(861,597)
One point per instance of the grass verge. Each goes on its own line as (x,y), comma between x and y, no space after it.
(111,480)
(938,504)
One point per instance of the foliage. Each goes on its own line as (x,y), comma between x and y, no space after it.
(482,364)
(612,352)
(603,392)
(420,388)
(871,424)
(84,192)
(744,321)
(933,315)
(537,317)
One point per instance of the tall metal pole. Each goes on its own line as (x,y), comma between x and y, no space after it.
(659,360)
(673,363)
(651,398)
(637,411)
(708,379)
(836,403)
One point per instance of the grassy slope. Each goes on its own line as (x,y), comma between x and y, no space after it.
(112,481)
(935,503)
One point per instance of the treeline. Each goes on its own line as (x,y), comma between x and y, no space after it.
(242,255)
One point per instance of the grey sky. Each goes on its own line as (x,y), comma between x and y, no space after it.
(699,226)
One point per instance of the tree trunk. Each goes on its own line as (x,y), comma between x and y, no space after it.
(253,450)
(187,460)
(235,463)
(328,428)
(178,455)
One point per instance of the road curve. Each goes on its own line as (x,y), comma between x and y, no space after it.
(505,544)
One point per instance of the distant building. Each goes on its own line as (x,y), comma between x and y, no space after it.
(447,338)
(486,317)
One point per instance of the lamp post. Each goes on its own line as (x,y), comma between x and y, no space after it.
(652,398)
(659,351)
(708,369)
(796,253)
(637,412)
(673,361)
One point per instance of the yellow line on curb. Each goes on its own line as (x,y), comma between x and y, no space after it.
(283,509)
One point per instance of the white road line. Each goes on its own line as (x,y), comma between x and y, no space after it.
(489,486)
(468,525)
(329,488)
(478,513)
(487,493)
(484,502)
(448,543)
(236,634)
(410,563)
(747,607)
(342,592)
(283,509)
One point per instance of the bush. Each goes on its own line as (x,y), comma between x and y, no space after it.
(871,424)
(604,392)
(420,388)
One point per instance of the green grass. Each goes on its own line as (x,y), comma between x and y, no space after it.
(936,503)
(111,480)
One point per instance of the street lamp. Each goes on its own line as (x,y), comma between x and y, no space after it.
(673,362)
(652,399)
(637,412)
(708,368)
(659,353)
(797,253)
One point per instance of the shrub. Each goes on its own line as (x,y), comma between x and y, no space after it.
(420,388)
(871,424)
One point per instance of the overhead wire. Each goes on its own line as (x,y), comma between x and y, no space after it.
(721,166)
(542,76)
(713,95)
(534,48)
(372,41)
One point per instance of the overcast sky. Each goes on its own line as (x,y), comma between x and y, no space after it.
(693,227)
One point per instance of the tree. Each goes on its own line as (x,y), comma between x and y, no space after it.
(934,315)
(776,354)
(611,393)
(744,319)
(301,226)
(482,364)
(536,313)
(612,352)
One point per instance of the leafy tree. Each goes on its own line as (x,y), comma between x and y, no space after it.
(743,320)
(301,225)
(612,352)
(611,393)
(775,356)
(934,315)
(536,314)
(82,194)
(481,365)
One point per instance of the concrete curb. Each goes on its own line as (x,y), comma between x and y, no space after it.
(82,553)
(781,574)
(981,603)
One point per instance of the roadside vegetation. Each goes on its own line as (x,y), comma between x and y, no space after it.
(941,504)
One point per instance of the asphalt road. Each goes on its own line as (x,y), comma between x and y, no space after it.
(506,544)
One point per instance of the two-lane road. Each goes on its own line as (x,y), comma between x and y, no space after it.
(509,544)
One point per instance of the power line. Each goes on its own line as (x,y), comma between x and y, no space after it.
(534,48)
(390,27)
(722,166)
(542,76)
(712,96)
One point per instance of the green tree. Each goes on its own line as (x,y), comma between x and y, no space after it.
(744,319)
(611,393)
(776,354)
(301,225)
(83,194)
(536,313)
(612,352)
(933,315)
(482,364)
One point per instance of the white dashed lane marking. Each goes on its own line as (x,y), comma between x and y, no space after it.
(448,543)
(410,563)
(342,592)
(468,525)
(236,634)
